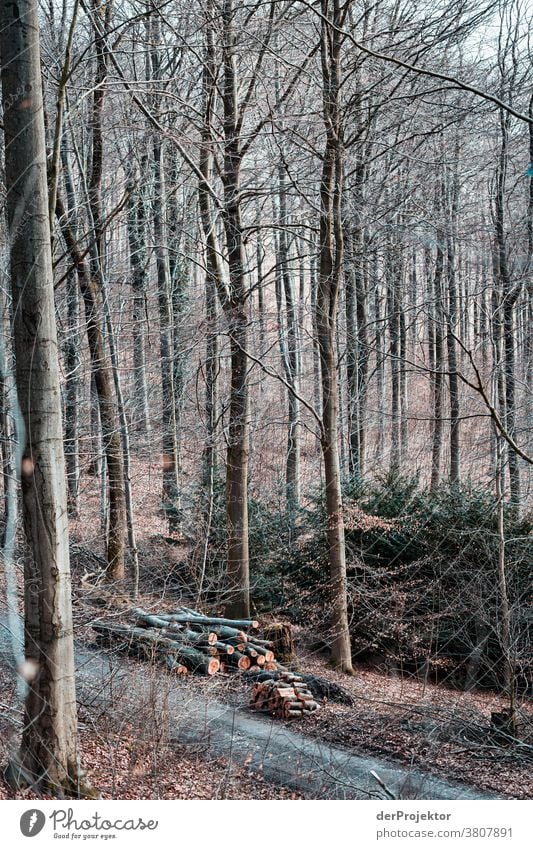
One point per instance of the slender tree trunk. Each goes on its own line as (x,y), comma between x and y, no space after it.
(92,295)
(260,253)
(238,440)
(352,353)
(438,381)
(505,613)
(137,234)
(509,296)
(393,310)
(331,262)
(313,283)
(238,605)
(451,321)
(72,394)
(169,448)
(125,442)
(379,334)
(404,405)
(72,362)
(528,340)
(288,330)
(179,291)
(170,460)
(103,383)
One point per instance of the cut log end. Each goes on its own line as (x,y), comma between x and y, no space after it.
(213,666)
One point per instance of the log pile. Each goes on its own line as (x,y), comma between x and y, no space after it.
(186,641)
(287,697)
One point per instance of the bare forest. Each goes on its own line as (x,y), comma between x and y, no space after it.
(266,399)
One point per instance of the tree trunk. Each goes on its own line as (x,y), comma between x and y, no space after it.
(170,492)
(238,431)
(136,223)
(451,321)
(393,311)
(238,605)
(93,300)
(49,758)
(292,477)
(72,362)
(438,380)
(509,293)
(379,334)
(331,261)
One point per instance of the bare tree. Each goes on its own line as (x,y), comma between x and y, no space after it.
(49,757)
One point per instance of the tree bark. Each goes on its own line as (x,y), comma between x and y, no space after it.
(331,261)
(93,296)
(49,758)
(439,364)
(238,431)
(136,223)
(509,293)
(451,321)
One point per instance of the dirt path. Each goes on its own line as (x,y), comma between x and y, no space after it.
(278,752)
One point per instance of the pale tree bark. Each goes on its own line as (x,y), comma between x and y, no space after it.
(72,359)
(49,758)
(509,295)
(170,460)
(528,341)
(179,248)
(291,359)
(260,255)
(451,323)
(379,344)
(287,325)
(93,297)
(214,278)
(393,271)
(313,285)
(329,280)
(439,365)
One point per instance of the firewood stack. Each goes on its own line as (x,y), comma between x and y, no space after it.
(186,641)
(288,697)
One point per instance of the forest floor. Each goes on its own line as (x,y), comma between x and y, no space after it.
(124,764)
(433,728)
(438,730)
(420,726)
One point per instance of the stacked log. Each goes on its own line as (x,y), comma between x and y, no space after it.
(287,697)
(187,641)
(178,655)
